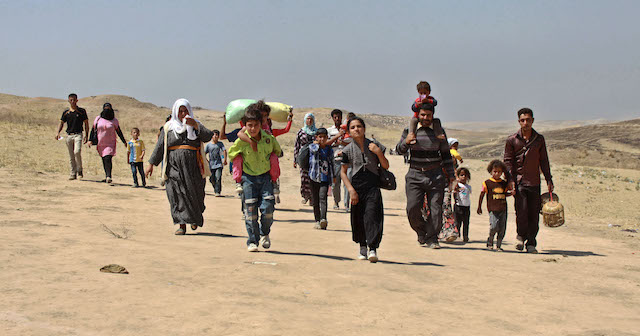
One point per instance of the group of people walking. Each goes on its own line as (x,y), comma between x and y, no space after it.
(327,158)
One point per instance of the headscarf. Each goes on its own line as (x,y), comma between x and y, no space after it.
(310,130)
(452,141)
(107,112)
(179,126)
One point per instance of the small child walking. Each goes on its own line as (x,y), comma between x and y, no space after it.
(496,190)
(322,175)
(257,186)
(135,153)
(216,152)
(462,207)
(424,98)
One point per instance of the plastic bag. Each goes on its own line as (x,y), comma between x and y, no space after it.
(236,108)
(279,111)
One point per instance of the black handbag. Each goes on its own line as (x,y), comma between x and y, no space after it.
(387,179)
(93,137)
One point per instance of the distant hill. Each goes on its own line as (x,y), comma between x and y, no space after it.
(615,145)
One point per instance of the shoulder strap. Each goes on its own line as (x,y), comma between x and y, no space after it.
(527,145)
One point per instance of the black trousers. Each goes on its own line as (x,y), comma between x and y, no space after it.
(106,163)
(462,214)
(367,218)
(528,205)
(319,191)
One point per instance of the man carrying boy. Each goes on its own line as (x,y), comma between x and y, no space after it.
(135,153)
(256,180)
(216,151)
(429,156)
(337,132)
(76,118)
(322,174)
(525,155)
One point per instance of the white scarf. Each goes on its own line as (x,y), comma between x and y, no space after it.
(179,126)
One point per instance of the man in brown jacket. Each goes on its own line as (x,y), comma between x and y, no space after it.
(525,155)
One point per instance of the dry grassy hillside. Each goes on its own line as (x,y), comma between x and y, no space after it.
(615,145)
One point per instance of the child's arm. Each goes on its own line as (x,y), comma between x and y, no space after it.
(143,150)
(244,137)
(480,202)
(225,157)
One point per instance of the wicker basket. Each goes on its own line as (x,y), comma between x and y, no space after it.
(553,214)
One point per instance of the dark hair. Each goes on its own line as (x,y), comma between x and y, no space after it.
(423,86)
(465,170)
(355,119)
(168,118)
(73,95)
(427,107)
(322,130)
(495,164)
(336,111)
(216,132)
(525,110)
(257,107)
(135,129)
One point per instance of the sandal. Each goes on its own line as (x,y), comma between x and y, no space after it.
(194,227)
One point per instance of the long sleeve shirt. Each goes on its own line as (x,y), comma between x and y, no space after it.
(281,131)
(524,165)
(428,152)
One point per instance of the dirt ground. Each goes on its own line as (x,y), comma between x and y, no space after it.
(309,282)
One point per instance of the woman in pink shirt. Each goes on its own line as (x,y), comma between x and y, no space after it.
(106,126)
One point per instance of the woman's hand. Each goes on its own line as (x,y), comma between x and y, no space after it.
(354,196)
(191,122)
(375,149)
(149,171)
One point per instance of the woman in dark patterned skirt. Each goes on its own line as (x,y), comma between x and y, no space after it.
(305,136)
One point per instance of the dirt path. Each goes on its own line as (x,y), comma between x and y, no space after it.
(309,282)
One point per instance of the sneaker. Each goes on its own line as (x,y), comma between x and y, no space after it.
(135,186)
(373,257)
(434,245)
(238,188)
(317,226)
(363,253)
(520,243)
(531,249)
(499,249)
(336,207)
(323,224)
(265,241)
(252,247)
(108,180)
(218,195)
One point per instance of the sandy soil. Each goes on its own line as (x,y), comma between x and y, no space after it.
(309,282)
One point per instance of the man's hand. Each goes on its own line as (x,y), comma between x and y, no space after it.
(550,186)
(58,136)
(512,188)
(411,138)
(479,210)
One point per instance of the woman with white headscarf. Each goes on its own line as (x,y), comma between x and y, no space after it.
(305,136)
(185,169)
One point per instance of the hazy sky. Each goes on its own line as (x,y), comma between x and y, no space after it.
(484,59)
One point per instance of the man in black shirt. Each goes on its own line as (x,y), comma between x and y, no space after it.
(76,118)
(430,171)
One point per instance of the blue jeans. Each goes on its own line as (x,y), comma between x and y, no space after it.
(139,167)
(258,194)
(216,179)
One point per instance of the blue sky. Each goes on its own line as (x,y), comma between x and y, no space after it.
(484,60)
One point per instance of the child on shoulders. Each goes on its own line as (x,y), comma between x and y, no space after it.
(256,180)
(424,91)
